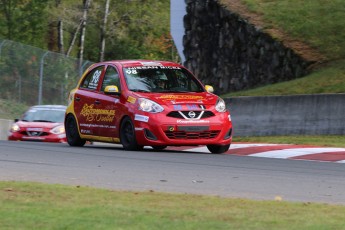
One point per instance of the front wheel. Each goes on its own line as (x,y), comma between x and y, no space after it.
(72,134)
(127,135)
(218,148)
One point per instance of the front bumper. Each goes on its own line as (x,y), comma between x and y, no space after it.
(58,138)
(158,130)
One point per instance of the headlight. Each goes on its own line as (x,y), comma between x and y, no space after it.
(58,130)
(149,106)
(15,128)
(220,106)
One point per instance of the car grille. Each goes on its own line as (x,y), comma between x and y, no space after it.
(34,133)
(186,115)
(192,135)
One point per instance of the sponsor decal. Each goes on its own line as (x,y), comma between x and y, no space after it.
(193,107)
(192,121)
(33,138)
(34,129)
(155,66)
(193,128)
(131,99)
(177,107)
(85,131)
(138,117)
(91,114)
(180,97)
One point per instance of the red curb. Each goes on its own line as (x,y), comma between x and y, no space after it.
(328,156)
(258,149)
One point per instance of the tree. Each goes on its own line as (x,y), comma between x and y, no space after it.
(82,33)
(103,30)
(24,21)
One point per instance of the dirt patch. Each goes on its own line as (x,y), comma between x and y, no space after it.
(301,48)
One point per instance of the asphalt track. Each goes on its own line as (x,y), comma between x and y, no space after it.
(292,173)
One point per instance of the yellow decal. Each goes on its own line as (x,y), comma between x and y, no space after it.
(91,114)
(177,97)
(131,99)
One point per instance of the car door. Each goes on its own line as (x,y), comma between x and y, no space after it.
(86,103)
(110,104)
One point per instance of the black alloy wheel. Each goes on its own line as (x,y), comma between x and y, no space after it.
(127,135)
(72,134)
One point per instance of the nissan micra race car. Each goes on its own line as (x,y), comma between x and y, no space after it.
(146,103)
(42,123)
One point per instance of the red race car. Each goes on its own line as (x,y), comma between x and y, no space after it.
(42,123)
(146,103)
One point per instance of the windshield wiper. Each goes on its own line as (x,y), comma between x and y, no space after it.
(41,121)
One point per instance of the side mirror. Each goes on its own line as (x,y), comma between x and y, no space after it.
(17,119)
(209,88)
(112,90)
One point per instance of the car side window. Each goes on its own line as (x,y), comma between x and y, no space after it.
(111,77)
(92,79)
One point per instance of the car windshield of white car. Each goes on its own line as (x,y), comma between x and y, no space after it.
(161,80)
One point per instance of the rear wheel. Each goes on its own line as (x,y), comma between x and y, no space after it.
(72,134)
(218,148)
(127,135)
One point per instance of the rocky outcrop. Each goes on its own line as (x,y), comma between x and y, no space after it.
(226,51)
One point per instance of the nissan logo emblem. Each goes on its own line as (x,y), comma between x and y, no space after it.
(191,114)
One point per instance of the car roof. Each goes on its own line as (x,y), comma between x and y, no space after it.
(46,107)
(136,63)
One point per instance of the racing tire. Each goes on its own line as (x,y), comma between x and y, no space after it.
(159,147)
(72,134)
(127,135)
(218,148)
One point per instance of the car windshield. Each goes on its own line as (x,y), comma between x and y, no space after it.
(161,79)
(44,115)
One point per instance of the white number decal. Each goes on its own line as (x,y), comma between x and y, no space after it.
(95,77)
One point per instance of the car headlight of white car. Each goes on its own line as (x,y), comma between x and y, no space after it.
(15,128)
(147,105)
(58,130)
(220,105)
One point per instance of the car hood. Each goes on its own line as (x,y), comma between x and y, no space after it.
(43,125)
(182,98)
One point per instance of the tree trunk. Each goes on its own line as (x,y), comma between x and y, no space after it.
(103,33)
(83,28)
(60,37)
(71,44)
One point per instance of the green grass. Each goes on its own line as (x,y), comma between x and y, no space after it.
(326,140)
(317,22)
(11,110)
(40,206)
(330,79)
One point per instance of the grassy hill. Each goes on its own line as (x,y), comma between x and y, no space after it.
(313,29)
